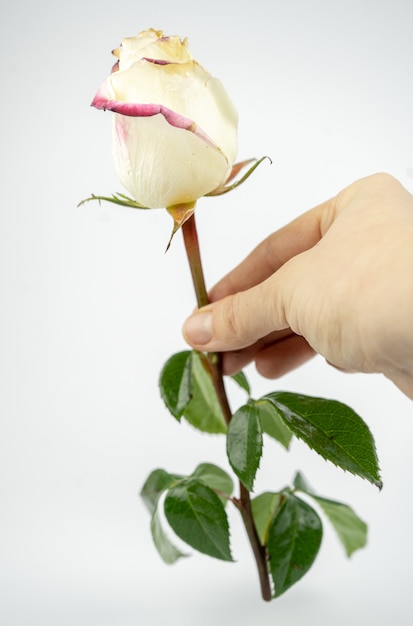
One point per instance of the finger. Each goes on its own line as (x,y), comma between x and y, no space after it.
(235,360)
(240,320)
(300,235)
(284,356)
(250,313)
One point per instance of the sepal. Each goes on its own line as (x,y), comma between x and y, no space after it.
(116,198)
(237,167)
(180,214)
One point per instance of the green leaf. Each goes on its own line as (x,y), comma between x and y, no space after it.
(155,485)
(351,530)
(187,390)
(244,444)
(175,382)
(157,482)
(215,478)
(198,517)
(242,381)
(300,483)
(294,539)
(168,552)
(272,423)
(263,508)
(203,410)
(332,429)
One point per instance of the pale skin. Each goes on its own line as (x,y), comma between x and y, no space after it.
(337,281)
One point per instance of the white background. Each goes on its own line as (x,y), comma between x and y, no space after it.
(91,308)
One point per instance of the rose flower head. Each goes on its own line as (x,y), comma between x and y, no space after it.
(174,126)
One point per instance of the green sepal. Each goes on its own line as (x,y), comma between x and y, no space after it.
(294,539)
(332,429)
(116,198)
(263,509)
(351,530)
(123,200)
(219,191)
(244,444)
(197,515)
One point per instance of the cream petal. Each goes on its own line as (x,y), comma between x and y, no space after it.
(153,45)
(132,109)
(161,165)
(103,95)
(186,89)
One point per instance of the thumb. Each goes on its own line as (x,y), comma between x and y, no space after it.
(239,320)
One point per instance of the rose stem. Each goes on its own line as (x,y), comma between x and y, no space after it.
(190,236)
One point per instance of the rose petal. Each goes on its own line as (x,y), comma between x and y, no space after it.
(152,44)
(188,90)
(133,109)
(177,170)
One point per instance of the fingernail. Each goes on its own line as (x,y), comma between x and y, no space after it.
(198,328)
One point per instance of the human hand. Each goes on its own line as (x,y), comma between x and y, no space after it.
(337,281)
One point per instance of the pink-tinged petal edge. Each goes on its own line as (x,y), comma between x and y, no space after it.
(134,109)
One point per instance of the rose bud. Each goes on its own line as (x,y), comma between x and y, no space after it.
(175,128)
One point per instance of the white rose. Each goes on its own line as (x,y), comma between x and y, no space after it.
(175,128)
